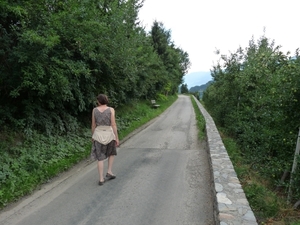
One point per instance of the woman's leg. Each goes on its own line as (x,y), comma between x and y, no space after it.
(110,163)
(100,170)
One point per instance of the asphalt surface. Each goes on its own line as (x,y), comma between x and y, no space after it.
(163,178)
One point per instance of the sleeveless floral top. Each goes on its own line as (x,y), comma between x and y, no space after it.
(102,118)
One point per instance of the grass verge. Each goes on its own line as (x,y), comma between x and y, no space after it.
(200,120)
(268,206)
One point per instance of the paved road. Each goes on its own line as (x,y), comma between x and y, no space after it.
(162,179)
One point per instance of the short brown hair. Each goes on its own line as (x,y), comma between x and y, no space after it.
(102,99)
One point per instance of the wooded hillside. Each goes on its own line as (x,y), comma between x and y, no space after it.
(56,56)
(200,88)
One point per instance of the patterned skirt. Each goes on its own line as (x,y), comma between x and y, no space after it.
(101,151)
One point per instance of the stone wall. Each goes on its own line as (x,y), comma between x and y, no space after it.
(231,204)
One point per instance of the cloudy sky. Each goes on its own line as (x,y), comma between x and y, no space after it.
(200,27)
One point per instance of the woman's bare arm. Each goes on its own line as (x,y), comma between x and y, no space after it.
(114,125)
(93,126)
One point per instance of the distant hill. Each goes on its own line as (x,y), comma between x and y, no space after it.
(197,78)
(200,88)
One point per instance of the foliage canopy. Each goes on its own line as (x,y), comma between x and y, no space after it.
(255,95)
(56,56)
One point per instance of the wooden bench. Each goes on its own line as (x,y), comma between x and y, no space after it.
(154,105)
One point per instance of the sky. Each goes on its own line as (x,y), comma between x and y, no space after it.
(199,27)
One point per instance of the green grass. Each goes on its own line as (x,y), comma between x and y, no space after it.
(266,204)
(200,120)
(25,163)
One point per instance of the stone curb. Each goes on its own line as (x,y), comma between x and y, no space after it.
(231,204)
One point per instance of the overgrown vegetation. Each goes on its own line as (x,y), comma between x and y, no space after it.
(56,56)
(27,162)
(200,120)
(269,206)
(254,99)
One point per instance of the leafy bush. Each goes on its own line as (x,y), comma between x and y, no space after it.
(56,56)
(28,164)
(255,98)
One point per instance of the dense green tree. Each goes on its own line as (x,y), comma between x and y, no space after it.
(255,96)
(61,53)
(56,56)
(175,60)
(184,89)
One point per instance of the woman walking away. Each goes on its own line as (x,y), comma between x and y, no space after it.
(105,137)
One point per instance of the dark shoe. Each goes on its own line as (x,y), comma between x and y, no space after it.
(110,176)
(101,182)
